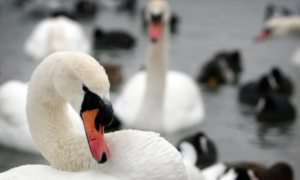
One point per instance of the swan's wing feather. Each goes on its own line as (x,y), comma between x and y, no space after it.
(127,105)
(38,172)
(143,159)
(183,102)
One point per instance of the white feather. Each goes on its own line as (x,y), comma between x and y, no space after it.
(31,172)
(132,154)
(188,152)
(214,172)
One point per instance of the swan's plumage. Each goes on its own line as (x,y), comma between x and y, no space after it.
(70,34)
(13,120)
(183,105)
(132,154)
(31,172)
(157,99)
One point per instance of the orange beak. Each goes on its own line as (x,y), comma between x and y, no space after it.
(155,30)
(95,136)
(263,35)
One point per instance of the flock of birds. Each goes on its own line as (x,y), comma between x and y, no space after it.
(63,111)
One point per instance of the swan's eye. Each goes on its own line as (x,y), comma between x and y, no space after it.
(85,89)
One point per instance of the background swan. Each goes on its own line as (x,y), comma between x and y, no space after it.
(56,34)
(157,99)
(80,80)
(13,120)
(278,24)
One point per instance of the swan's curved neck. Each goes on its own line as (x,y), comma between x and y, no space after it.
(56,38)
(51,128)
(152,107)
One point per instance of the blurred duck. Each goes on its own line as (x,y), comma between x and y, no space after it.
(56,34)
(224,68)
(279,171)
(271,108)
(280,21)
(62,12)
(198,150)
(86,8)
(173,22)
(193,172)
(275,82)
(41,7)
(113,39)
(13,120)
(158,99)
(78,79)
(221,171)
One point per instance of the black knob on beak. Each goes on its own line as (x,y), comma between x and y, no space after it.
(156,17)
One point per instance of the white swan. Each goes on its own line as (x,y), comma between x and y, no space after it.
(281,26)
(159,100)
(13,121)
(56,34)
(80,80)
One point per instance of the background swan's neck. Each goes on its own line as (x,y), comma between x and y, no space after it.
(152,107)
(51,128)
(56,37)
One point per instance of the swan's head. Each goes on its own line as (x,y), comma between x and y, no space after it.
(276,27)
(81,80)
(158,17)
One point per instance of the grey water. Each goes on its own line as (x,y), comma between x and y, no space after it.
(206,27)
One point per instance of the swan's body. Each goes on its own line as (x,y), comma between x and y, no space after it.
(181,108)
(13,120)
(31,172)
(157,99)
(56,34)
(80,80)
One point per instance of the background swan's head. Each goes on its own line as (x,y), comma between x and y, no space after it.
(276,27)
(81,81)
(158,17)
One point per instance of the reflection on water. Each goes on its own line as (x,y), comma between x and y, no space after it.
(207,27)
(275,135)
